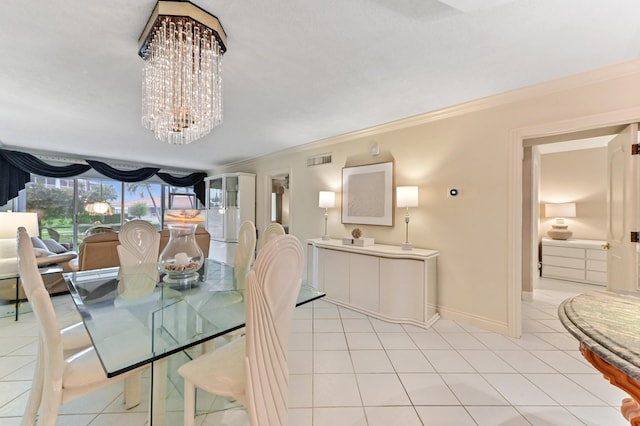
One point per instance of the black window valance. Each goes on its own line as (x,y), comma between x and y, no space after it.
(16,167)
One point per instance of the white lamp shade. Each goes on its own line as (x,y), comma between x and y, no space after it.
(11,221)
(560,210)
(407,196)
(327,199)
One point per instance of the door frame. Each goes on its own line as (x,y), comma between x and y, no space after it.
(515,195)
(265,219)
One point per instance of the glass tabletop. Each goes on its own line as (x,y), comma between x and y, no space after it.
(132,320)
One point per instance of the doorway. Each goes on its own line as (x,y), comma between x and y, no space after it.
(279,198)
(519,232)
(566,171)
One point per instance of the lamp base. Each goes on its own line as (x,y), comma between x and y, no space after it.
(326,237)
(559,232)
(407,246)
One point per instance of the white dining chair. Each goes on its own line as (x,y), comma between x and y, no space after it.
(139,242)
(57,379)
(271,231)
(254,370)
(245,251)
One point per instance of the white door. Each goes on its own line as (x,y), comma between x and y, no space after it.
(622,204)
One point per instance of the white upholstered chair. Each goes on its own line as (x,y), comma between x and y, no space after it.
(139,243)
(57,379)
(138,254)
(254,369)
(271,231)
(244,253)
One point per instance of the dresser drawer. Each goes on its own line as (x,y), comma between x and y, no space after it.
(577,253)
(597,277)
(567,262)
(597,254)
(566,273)
(597,265)
(574,260)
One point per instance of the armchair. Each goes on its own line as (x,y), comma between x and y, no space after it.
(54,283)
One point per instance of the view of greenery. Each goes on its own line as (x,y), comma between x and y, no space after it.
(138,210)
(53,200)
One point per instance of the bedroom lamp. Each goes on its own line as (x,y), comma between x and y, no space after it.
(326,200)
(560,211)
(11,221)
(407,196)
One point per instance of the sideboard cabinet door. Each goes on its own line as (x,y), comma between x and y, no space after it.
(334,274)
(402,288)
(364,281)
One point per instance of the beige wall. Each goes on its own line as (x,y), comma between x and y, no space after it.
(579,177)
(467,147)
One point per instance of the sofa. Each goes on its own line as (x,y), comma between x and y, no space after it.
(99,250)
(48,252)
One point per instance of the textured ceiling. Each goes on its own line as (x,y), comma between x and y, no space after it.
(295,72)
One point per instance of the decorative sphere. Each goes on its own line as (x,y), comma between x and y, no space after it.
(356,233)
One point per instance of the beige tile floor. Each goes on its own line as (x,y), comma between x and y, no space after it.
(349,369)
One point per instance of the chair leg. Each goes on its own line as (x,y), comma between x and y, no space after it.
(35,394)
(51,401)
(132,390)
(189,403)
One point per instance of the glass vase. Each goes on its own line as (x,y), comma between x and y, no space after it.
(182,258)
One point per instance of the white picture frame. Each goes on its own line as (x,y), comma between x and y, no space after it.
(367,194)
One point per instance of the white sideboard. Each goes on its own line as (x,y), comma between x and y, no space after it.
(383,281)
(575,260)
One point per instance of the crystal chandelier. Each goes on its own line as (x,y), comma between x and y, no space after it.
(182,46)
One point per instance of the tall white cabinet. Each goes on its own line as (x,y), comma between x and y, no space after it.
(231,200)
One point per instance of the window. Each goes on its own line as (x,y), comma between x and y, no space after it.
(98,201)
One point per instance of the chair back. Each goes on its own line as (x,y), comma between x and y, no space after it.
(50,340)
(138,255)
(99,251)
(139,243)
(53,234)
(272,290)
(271,231)
(244,253)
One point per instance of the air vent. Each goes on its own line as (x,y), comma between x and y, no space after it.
(319,159)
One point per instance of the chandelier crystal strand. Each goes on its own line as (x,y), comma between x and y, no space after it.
(182,81)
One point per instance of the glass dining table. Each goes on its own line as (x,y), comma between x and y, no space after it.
(134,320)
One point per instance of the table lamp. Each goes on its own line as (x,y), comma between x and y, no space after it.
(326,200)
(407,196)
(11,221)
(559,229)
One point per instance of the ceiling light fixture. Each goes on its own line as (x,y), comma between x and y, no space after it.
(182,46)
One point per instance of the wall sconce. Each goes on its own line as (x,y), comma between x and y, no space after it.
(11,221)
(326,200)
(560,211)
(407,196)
